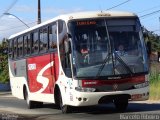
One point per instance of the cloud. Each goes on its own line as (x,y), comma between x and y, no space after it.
(9,26)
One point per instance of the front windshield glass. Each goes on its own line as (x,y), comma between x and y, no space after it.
(107,47)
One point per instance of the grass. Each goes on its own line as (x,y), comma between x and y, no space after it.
(155,82)
(154,91)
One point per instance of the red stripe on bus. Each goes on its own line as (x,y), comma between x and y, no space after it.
(90,83)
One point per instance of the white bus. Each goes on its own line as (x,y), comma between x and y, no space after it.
(80,59)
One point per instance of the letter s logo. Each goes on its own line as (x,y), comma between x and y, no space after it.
(43,80)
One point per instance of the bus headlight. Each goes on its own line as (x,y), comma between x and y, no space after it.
(145,84)
(81,89)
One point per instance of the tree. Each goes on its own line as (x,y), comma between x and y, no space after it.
(4,72)
(153,38)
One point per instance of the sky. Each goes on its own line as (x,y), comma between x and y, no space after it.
(26,10)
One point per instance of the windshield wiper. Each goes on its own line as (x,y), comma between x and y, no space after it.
(123,63)
(103,64)
(127,68)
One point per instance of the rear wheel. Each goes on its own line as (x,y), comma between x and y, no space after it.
(38,104)
(121,104)
(32,104)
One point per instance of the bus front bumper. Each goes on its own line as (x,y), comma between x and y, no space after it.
(94,98)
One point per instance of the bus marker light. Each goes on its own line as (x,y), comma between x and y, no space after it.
(79,99)
(145,84)
(84,99)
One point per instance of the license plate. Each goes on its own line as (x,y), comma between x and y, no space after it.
(136,96)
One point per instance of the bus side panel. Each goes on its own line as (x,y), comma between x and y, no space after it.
(40,74)
(18,77)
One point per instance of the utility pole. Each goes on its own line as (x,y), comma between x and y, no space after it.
(159,23)
(159,38)
(39,12)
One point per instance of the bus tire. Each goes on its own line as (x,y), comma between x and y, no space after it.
(30,104)
(38,104)
(64,108)
(121,105)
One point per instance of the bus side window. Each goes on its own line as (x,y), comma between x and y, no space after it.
(35,43)
(32,43)
(15,48)
(29,39)
(20,47)
(63,37)
(25,45)
(43,39)
(10,49)
(53,36)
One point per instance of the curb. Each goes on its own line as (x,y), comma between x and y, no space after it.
(147,101)
(5,93)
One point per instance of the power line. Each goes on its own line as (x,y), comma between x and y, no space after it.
(119,4)
(12,27)
(10,7)
(149,9)
(149,14)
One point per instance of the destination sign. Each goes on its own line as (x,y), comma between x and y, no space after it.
(79,23)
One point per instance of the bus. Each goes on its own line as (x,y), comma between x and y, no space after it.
(80,59)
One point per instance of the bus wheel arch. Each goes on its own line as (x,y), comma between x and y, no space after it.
(30,104)
(121,103)
(59,101)
(56,94)
(24,91)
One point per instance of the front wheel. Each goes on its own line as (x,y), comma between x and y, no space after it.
(120,104)
(65,108)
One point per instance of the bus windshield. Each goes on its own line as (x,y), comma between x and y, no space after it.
(107,47)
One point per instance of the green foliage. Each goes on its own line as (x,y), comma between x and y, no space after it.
(155,43)
(154,91)
(155,81)
(153,38)
(4,74)
(155,72)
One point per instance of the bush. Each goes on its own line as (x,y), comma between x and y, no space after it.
(4,74)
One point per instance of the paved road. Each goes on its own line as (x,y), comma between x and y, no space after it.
(12,109)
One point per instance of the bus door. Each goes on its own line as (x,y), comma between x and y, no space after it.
(55,68)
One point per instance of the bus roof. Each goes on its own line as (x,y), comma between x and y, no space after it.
(78,15)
